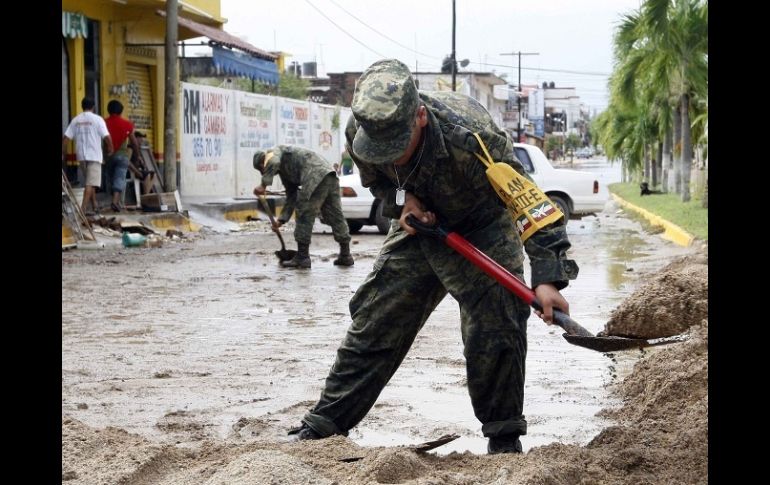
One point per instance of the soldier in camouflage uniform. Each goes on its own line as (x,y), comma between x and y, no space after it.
(422,142)
(312,186)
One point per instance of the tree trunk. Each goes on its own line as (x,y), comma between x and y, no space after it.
(668,161)
(677,148)
(686,148)
(658,164)
(646,155)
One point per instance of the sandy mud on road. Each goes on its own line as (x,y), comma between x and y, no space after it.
(187,364)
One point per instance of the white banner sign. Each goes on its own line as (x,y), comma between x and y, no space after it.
(207,141)
(325,137)
(536,104)
(294,122)
(256,121)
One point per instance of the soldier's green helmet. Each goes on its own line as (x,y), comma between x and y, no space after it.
(385,105)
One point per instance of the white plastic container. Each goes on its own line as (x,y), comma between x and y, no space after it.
(78,193)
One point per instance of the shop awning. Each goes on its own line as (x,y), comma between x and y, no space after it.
(221,37)
(245,65)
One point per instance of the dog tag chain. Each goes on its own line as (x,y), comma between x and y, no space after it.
(400,192)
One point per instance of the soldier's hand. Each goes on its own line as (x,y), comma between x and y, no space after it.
(277,224)
(259,190)
(412,205)
(549,297)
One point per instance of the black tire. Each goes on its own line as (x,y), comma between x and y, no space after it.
(562,205)
(354,226)
(382,222)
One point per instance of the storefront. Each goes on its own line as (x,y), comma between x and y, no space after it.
(114,50)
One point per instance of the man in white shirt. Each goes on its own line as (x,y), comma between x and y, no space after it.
(89,131)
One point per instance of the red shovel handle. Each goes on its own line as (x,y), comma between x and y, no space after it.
(496,271)
(490,267)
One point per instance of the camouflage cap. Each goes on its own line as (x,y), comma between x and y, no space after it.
(384,104)
(259,157)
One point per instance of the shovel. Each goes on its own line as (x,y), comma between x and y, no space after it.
(576,334)
(283,253)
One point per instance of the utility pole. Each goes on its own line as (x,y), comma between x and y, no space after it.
(454,63)
(518,97)
(170,120)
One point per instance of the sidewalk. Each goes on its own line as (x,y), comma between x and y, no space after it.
(194,214)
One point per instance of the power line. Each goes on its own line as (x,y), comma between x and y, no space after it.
(564,71)
(383,35)
(343,30)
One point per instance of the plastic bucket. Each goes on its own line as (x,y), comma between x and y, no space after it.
(78,193)
(131,240)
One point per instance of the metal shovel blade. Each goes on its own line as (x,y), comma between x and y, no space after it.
(612,344)
(283,254)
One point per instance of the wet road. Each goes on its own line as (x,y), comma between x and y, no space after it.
(211,339)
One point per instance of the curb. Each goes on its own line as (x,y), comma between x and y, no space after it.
(234,210)
(171,220)
(672,233)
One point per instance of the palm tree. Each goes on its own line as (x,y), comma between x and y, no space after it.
(634,100)
(661,61)
(678,31)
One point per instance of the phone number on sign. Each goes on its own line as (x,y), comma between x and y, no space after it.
(206,147)
(206,167)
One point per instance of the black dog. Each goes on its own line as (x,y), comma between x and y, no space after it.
(646,189)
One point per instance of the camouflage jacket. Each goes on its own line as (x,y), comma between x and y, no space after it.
(301,171)
(452,182)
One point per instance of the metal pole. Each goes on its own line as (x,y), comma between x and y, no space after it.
(170,119)
(518,96)
(454,64)
(518,99)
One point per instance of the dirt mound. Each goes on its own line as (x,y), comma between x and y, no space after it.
(661,436)
(395,466)
(665,413)
(109,455)
(673,301)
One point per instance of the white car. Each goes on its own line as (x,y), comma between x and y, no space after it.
(360,207)
(576,193)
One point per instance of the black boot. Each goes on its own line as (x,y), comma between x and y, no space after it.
(344,259)
(304,432)
(504,444)
(302,258)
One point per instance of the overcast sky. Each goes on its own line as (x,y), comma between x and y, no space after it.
(571,35)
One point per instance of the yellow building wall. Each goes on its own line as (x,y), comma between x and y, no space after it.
(133,23)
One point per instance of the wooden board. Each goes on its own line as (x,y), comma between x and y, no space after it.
(161,202)
(145,152)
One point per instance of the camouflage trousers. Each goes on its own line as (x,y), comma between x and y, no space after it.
(325,200)
(411,275)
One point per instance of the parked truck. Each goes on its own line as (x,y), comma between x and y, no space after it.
(576,193)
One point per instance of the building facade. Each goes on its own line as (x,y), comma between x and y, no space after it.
(338,88)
